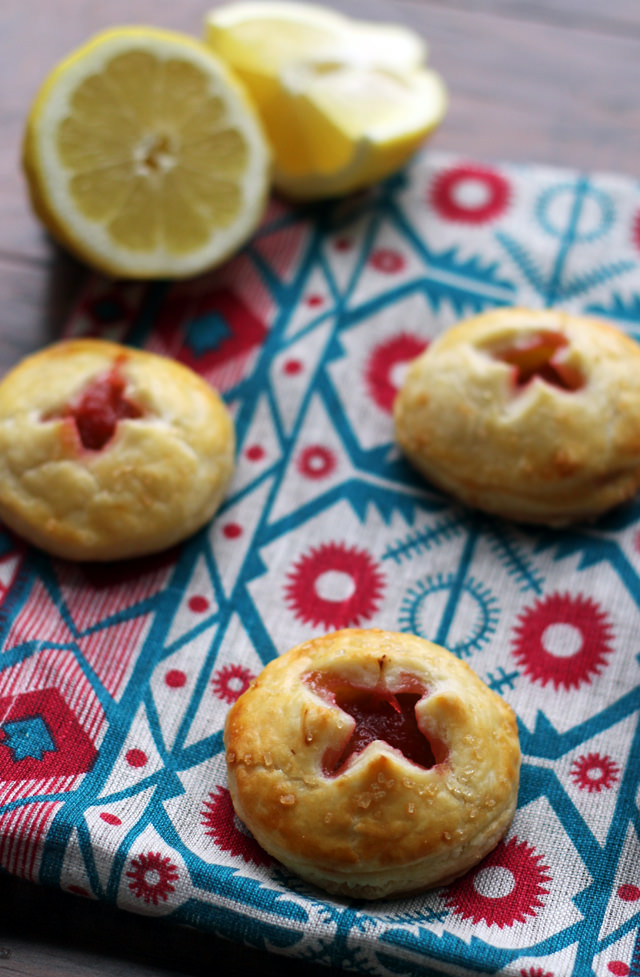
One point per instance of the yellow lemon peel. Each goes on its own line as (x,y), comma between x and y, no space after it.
(344,103)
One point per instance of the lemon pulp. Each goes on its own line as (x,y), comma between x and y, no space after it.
(144,156)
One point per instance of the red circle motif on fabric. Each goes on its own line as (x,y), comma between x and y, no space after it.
(470,194)
(629,893)
(564,640)
(386,260)
(293,367)
(175,678)
(136,758)
(255,452)
(516,861)
(619,968)
(316,461)
(334,585)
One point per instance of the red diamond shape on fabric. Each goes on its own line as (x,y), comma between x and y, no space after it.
(234,329)
(219,331)
(67,750)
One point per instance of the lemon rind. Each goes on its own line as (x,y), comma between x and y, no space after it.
(375,153)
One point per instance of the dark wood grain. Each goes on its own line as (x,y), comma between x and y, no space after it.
(525,82)
(616,17)
(36,299)
(548,81)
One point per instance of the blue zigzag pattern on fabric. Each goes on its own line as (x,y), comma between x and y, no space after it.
(418,523)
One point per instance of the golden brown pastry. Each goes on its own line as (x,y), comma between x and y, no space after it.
(534,415)
(373,763)
(108,452)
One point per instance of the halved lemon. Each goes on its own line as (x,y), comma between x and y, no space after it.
(145,157)
(344,103)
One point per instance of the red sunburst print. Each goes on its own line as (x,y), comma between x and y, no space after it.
(470,194)
(231,681)
(384,370)
(564,640)
(505,888)
(316,461)
(152,877)
(335,586)
(221,823)
(594,772)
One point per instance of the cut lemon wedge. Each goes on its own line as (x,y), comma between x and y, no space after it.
(264,36)
(344,103)
(145,157)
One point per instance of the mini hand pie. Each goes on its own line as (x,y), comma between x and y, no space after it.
(373,763)
(534,415)
(108,452)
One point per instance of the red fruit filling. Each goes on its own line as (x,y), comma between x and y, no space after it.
(98,409)
(540,355)
(379,715)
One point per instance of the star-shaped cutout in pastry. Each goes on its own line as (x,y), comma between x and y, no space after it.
(98,408)
(541,355)
(378,714)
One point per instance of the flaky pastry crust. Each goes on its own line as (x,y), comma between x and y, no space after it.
(379,824)
(529,414)
(160,474)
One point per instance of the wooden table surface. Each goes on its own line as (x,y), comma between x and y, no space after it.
(549,81)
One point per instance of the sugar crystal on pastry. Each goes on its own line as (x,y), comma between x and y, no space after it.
(533,415)
(109,452)
(373,763)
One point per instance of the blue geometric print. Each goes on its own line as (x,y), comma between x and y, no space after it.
(27,738)
(327,526)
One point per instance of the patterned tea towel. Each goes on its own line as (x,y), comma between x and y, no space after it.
(115,680)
